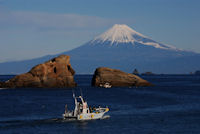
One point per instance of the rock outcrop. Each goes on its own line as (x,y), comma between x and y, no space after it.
(135,72)
(117,78)
(197,72)
(53,73)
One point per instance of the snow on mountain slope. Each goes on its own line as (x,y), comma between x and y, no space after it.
(122,34)
(119,33)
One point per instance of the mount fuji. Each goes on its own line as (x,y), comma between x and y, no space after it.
(122,48)
(122,34)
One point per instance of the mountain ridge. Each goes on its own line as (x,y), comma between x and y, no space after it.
(120,51)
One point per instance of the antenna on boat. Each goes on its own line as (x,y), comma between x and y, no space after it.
(73,93)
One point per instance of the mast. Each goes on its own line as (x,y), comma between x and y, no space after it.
(76,106)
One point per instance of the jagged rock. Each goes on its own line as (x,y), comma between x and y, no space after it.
(135,72)
(116,78)
(148,73)
(53,73)
(197,72)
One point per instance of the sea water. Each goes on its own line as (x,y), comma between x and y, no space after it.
(172,106)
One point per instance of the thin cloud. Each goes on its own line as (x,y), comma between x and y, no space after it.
(48,21)
(25,34)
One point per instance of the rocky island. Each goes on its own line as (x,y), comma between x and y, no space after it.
(55,73)
(117,78)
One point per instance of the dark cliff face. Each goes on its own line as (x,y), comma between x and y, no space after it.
(117,78)
(1,84)
(53,73)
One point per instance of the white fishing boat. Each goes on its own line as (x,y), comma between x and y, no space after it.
(106,85)
(83,112)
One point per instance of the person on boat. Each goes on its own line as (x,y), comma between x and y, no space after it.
(90,108)
(94,109)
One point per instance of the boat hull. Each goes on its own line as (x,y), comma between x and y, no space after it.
(86,116)
(90,116)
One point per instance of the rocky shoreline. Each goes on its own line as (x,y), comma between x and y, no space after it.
(58,73)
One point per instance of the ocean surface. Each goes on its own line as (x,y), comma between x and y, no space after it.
(172,106)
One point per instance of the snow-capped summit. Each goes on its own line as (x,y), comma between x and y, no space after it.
(119,33)
(123,34)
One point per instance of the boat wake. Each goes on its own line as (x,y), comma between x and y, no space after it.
(2,88)
(105,117)
(17,123)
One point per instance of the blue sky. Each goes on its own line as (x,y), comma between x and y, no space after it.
(34,28)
